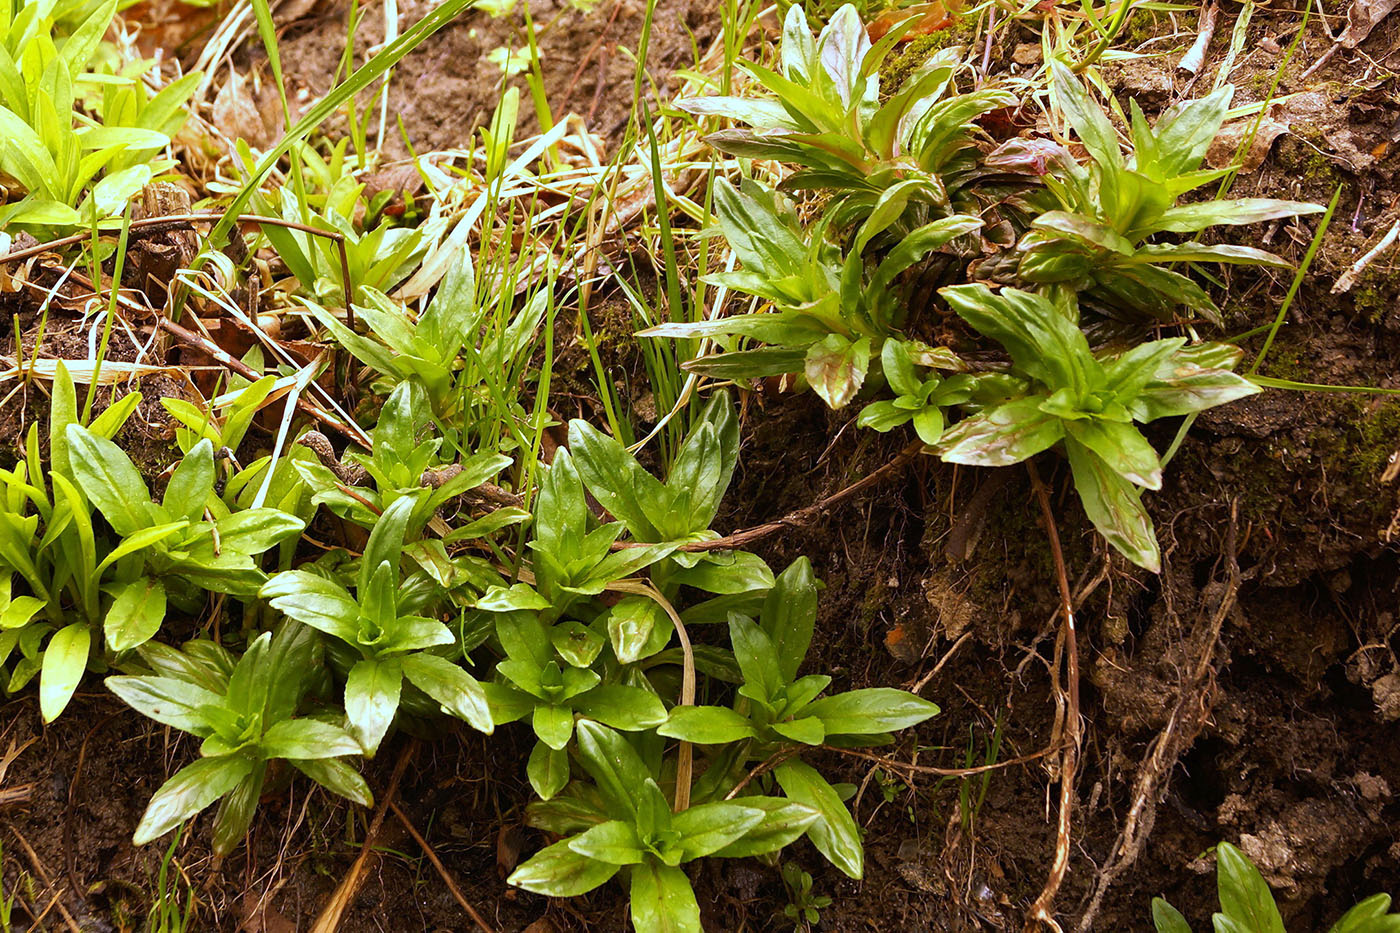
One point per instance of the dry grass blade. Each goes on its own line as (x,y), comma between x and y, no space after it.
(328,921)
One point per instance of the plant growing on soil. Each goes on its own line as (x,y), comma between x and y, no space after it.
(632,829)
(920,399)
(912,158)
(378,622)
(1097,247)
(830,321)
(776,715)
(377,258)
(401,465)
(1087,403)
(81,578)
(56,152)
(245,711)
(673,711)
(803,908)
(830,315)
(1247,905)
(430,349)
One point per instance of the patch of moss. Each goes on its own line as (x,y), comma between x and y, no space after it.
(1368,437)
(900,65)
(1353,447)
(1374,296)
(1140,27)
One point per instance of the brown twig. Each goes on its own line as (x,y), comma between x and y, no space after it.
(1187,716)
(43,874)
(746,537)
(912,768)
(1069,754)
(442,871)
(173,221)
(190,338)
(329,919)
(685,753)
(768,764)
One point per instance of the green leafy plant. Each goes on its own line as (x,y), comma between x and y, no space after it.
(1247,905)
(459,322)
(405,461)
(378,257)
(917,399)
(1088,403)
(57,153)
(632,829)
(913,156)
(533,683)
(245,713)
(1100,244)
(776,714)
(831,315)
(224,423)
(380,625)
(803,908)
(81,578)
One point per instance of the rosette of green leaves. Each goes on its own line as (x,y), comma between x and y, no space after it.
(1088,403)
(378,623)
(571,552)
(73,171)
(626,826)
(1100,243)
(406,448)
(81,577)
(533,682)
(920,399)
(915,155)
(246,714)
(775,710)
(831,313)
(378,259)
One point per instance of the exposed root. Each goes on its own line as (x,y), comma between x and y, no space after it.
(1067,712)
(1188,715)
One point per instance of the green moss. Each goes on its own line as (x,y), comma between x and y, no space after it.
(1140,27)
(1374,295)
(1367,442)
(900,65)
(1352,447)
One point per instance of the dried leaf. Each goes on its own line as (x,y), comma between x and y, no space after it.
(237,115)
(1362,17)
(1222,151)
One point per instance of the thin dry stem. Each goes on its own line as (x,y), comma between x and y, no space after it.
(329,919)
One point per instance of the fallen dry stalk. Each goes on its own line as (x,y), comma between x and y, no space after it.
(329,919)
(442,871)
(1348,279)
